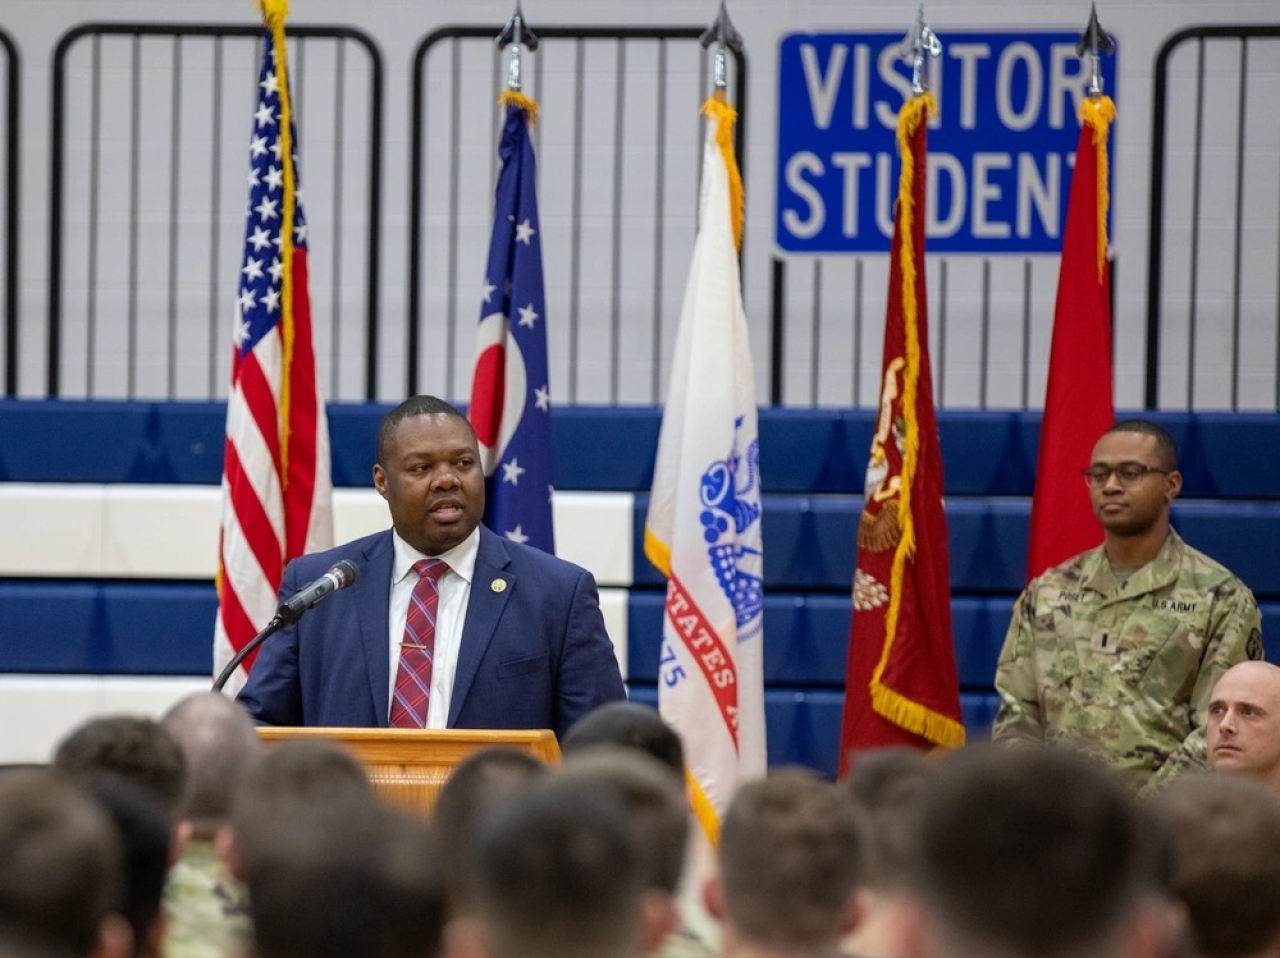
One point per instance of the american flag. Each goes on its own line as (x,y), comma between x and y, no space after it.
(277,493)
(510,396)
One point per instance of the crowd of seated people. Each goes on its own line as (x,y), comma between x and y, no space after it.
(184,837)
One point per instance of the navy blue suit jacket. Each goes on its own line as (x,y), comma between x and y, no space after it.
(534,653)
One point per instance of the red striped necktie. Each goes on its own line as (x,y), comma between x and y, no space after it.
(412,695)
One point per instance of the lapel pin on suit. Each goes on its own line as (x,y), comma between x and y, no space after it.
(498,585)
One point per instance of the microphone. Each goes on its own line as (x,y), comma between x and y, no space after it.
(342,574)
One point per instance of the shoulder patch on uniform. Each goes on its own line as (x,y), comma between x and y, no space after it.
(1253,648)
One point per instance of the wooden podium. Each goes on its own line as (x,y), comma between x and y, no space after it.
(408,766)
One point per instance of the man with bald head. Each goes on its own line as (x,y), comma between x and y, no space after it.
(208,907)
(1243,733)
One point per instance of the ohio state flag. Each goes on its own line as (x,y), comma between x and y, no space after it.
(510,390)
(901,686)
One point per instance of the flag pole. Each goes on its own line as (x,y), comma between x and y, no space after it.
(918,46)
(726,37)
(1098,111)
(517,37)
(1093,43)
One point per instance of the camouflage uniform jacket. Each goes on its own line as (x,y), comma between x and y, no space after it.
(1124,671)
(207,908)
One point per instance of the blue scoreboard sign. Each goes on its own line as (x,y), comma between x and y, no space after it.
(1000,150)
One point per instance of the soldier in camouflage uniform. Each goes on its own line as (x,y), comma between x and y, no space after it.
(207,907)
(1116,652)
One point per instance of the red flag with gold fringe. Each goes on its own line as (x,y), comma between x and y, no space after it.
(1079,405)
(901,686)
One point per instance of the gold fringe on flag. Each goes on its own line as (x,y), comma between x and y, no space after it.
(273,16)
(1098,113)
(897,708)
(517,99)
(703,810)
(717,108)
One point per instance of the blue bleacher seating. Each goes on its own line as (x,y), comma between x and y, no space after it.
(812,463)
(608,448)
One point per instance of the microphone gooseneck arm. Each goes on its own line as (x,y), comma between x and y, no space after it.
(277,623)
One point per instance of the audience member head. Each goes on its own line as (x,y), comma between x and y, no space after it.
(1243,731)
(219,743)
(558,874)
(484,779)
(790,860)
(289,779)
(135,749)
(1226,830)
(627,725)
(1030,852)
(885,785)
(346,878)
(654,799)
(61,877)
(145,829)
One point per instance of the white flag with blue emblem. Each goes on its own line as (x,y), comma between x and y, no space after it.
(703,527)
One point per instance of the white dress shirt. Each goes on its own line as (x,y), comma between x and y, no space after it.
(455,591)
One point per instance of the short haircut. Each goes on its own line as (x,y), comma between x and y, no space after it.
(144,826)
(1226,830)
(412,407)
(790,857)
(1166,448)
(347,879)
(483,779)
(136,749)
(653,797)
(219,741)
(558,874)
(62,862)
(1028,851)
(885,785)
(289,779)
(627,725)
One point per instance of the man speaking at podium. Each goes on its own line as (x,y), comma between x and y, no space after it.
(447,624)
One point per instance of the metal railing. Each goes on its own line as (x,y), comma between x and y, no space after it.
(990,323)
(1215,341)
(619,106)
(149,132)
(10,130)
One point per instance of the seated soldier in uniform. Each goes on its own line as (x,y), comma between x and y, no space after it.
(62,875)
(1032,853)
(207,907)
(1226,833)
(790,862)
(886,785)
(558,873)
(1244,723)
